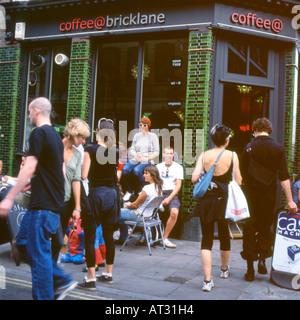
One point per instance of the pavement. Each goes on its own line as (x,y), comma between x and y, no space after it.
(169,275)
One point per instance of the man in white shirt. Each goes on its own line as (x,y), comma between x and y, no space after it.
(172,176)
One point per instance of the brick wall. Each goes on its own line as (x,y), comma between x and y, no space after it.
(80,79)
(196,119)
(295,168)
(289,103)
(11,72)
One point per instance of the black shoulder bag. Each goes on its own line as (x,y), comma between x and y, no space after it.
(258,172)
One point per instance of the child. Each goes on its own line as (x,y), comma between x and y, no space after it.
(75,243)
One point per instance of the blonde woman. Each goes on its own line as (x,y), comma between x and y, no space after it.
(76,131)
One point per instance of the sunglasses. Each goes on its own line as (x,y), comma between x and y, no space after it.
(143,125)
(104,119)
(167,173)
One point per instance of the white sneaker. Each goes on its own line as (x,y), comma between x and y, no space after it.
(127,196)
(169,244)
(207,286)
(63,291)
(224,274)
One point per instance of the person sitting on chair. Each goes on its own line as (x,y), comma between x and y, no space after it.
(133,210)
(172,176)
(144,149)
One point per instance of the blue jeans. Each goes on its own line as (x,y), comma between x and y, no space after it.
(133,176)
(36,229)
(126,215)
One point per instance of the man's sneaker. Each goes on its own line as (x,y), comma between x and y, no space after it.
(169,244)
(87,284)
(127,196)
(161,208)
(63,291)
(224,273)
(105,279)
(208,285)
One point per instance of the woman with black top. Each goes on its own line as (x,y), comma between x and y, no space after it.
(99,167)
(211,207)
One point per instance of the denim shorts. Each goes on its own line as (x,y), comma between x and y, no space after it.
(175,202)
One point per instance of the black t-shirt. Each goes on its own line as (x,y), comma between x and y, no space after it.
(269,154)
(103,166)
(47,183)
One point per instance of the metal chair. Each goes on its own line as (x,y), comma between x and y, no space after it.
(147,223)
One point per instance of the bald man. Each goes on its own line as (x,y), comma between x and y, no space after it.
(44,168)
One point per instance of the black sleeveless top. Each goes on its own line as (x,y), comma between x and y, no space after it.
(211,207)
(102,169)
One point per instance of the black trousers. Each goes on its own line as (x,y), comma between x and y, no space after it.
(103,209)
(257,230)
(208,235)
(89,240)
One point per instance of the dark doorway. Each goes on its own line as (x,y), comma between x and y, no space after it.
(242,104)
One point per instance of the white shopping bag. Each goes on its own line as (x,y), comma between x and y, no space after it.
(237,207)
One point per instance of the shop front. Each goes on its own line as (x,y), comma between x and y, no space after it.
(186,66)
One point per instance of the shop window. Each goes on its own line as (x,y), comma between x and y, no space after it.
(258,62)
(37,83)
(37,73)
(59,87)
(116,83)
(237,58)
(48,76)
(164,85)
(247,60)
(162,66)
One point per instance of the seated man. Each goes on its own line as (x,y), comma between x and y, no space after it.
(172,176)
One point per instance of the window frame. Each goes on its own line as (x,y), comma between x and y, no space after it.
(247,79)
(275,82)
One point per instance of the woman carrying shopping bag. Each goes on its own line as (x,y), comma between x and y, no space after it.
(212,205)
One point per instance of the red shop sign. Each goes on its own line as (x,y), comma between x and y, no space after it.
(251,19)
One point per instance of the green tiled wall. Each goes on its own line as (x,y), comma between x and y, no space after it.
(296,160)
(293,150)
(11,72)
(289,103)
(80,79)
(196,119)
